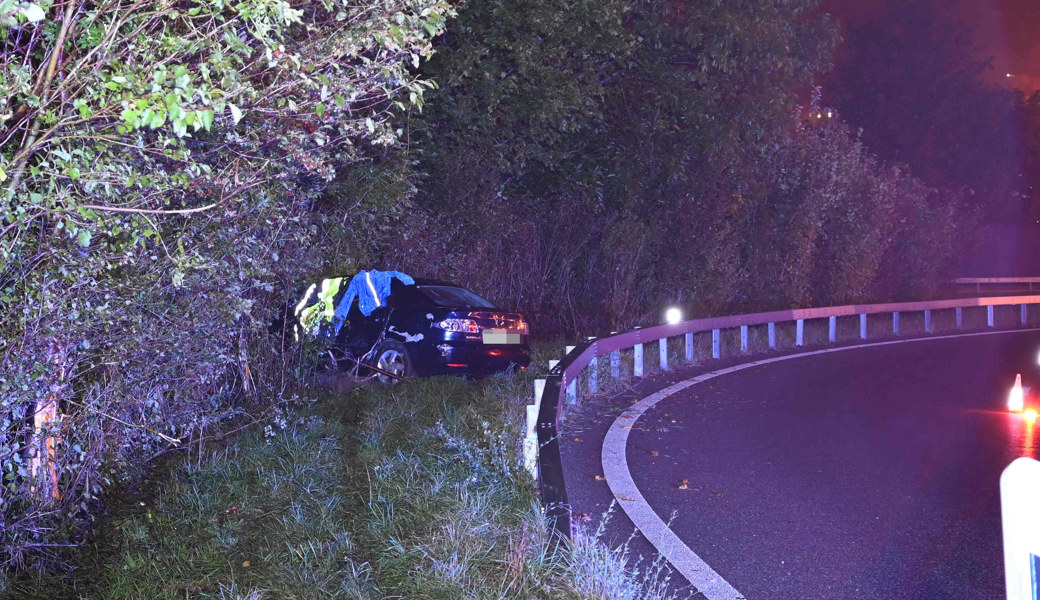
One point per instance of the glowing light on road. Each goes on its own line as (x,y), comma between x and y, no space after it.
(1029,416)
(673,315)
(1016,399)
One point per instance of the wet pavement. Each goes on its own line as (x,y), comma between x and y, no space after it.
(867,473)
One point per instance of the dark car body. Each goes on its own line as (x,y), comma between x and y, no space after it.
(433,328)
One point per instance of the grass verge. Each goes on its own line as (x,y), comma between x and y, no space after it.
(408,491)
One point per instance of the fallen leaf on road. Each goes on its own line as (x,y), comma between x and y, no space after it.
(655,453)
(600,478)
(720,495)
(246,563)
(626,427)
(626,499)
(577,439)
(685,485)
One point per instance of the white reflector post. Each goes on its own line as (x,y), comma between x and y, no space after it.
(1016,398)
(572,387)
(1020,520)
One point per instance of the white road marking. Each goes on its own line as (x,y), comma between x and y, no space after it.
(629,498)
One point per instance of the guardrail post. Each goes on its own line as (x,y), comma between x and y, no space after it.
(772,335)
(1024,315)
(960,317)
(637,360)
(572,387)
(863,326)
(799,332)
(716,342)
(832,329)
(594,376)
(895,322)
(743,339)
(689,347)
(989,315)
(664,353)
(615,364)
(530,436)
(927,321)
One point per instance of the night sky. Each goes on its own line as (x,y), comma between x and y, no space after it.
(1007,30)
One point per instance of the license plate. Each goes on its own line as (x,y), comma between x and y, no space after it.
(501,336)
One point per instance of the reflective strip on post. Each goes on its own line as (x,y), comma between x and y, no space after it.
(637,360)
(663,342)
(689,347)
(895,322)
(927,321)
(772,335)
(743,338)
(799,332)
(989,315)
(832,329)
(863,326)
(716,342)
(960,317)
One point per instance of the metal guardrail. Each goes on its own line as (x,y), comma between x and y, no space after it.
(1008,283)
(560,385)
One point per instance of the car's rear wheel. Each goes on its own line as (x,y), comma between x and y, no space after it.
(392,357)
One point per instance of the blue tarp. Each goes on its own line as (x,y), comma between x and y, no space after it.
(371,288)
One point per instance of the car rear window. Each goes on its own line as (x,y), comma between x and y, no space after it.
(446,295)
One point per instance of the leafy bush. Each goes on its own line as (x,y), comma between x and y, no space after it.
(165,168)
(660,158)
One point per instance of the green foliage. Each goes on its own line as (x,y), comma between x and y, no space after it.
(685,176)
(164,166)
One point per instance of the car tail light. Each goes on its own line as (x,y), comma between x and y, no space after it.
(522,327)
(463,325)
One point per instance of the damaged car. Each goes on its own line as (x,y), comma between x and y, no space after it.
(407,327)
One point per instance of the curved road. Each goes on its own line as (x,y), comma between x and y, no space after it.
(866,473)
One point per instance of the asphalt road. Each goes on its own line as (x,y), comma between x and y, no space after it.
(868,473)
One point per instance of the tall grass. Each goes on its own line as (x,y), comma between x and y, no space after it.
(409,491)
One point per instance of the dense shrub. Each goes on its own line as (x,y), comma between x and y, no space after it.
(165,170)
(660,159)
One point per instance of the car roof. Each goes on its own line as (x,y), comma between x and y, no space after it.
(426,281)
